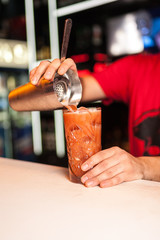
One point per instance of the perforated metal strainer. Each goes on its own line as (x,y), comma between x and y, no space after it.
(68,88)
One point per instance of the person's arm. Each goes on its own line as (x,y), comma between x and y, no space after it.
(91,90)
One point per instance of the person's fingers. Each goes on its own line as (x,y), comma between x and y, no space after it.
(39,71)
(105,175)
(67,64)
(105,165)
(48,69)
(32,72)
(52,69)
(119,178)
(97,158)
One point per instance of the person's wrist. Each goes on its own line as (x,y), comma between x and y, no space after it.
(142,167)
(148,167)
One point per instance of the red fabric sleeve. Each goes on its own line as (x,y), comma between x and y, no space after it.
(114,80)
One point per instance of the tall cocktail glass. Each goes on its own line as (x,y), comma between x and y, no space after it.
(83,138)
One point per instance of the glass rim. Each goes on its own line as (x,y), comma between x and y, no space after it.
(83,110)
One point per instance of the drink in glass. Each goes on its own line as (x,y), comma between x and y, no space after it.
(83,138)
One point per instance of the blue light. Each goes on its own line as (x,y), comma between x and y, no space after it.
(148,41)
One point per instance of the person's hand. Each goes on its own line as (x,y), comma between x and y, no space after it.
(111,167)
(47,69)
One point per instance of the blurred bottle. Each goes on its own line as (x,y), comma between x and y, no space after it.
(99,56)
(21,125)
(5,128)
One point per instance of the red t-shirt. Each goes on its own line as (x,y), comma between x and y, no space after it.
(135,80)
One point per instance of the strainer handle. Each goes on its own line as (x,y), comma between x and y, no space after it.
(66,36)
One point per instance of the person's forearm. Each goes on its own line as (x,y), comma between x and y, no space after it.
(91,90)
(151,168)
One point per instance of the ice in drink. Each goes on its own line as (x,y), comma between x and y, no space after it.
(83,138)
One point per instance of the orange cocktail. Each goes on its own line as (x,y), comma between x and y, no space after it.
(83,137)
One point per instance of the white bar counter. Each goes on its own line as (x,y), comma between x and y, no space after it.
(38,202)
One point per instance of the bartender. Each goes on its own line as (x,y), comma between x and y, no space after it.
(133,80)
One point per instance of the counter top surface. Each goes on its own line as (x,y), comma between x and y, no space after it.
(38,202)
